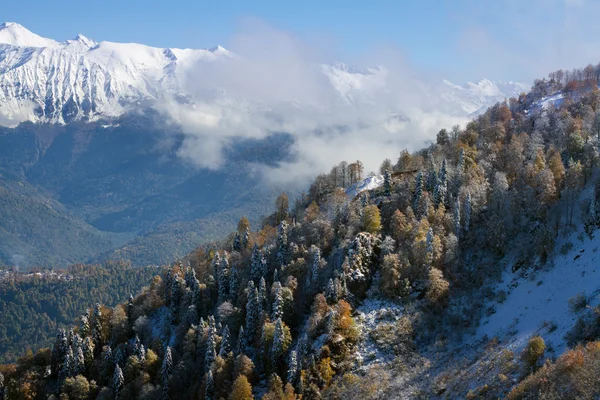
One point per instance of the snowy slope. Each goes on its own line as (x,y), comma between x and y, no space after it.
(369,183)
(534,304)
(42,79)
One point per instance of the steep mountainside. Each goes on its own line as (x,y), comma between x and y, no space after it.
(99,187)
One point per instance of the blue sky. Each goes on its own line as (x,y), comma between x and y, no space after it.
(459,40)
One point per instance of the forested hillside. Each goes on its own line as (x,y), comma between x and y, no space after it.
(377,295)
(34,305)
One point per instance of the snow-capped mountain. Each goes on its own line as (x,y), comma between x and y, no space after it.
(42,79)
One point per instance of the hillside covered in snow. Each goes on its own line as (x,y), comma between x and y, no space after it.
(45,80)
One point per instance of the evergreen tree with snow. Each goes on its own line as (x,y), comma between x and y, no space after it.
(331,292)
(118,381)
(241,342)
(209,392)
(223,278)
(234,284)
(167,367)
(277,348)
(88,351)
(456,215)
(84,326)
(292,368)
(237,242)
(68,366)
(316,265)
(79,361)
(59,350)
(262,294)
(255,264)
(246,238)
(282,243)
(225,343)
(460,166)
(467,211)
(211,345)
(97,326)
(252,312)
(387,183)
(215,265)
(277,309)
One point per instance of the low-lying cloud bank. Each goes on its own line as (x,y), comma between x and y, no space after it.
(275,83)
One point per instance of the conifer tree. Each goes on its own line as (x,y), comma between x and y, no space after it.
(88,351)
(460,166)
(316,265)
(387,182)
(215,264)
(59,351)
(209,392)
(79,362)
(292,368)
(237,242)
(252,313)
(68,365)
(234,284)
(255,266)
(282,243)
(246,238)
(211,344)
(456,214)
(331,292)
(97,327)
(84,326)
(467,211)
(118,381)
(277,348)
(223,278)
(225,343)
(429,243)
(262,294)
(241,342)
(166,368)
(277,309)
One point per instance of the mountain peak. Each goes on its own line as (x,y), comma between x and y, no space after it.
(15,34)
(83,40)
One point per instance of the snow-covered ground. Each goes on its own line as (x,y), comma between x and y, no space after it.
(369,183)
(539,302)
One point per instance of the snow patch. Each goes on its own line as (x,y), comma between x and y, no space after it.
(369,183)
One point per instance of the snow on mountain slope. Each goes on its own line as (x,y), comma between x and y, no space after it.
(540,304)
(369,183)
(42,79)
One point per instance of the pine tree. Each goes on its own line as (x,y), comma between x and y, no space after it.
(460,166)
(467,211)
(84,326)
(316,265)
(168,285)
(97,326)
(225,343)
(223,278)
(79,362)
(262,294)
(88,351)
(237,242)
(118,381)
(211,344)
(292,368)
(441,189)
(68,365)
(387,183)
(58,352)
(166,368)
(277,309)
(252,312)
(130,306)
(456,214)
(331,292)
(277,348)
(241,342)
(282,243)
(234,284)
(216,263)
(246,238)
(209,392)
(255,266)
